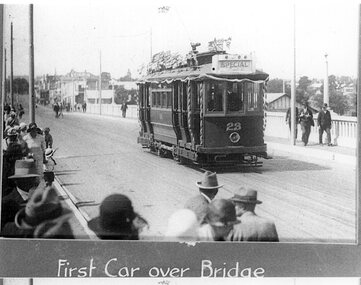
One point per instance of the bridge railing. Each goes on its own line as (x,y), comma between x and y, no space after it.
(113,110)
(343,130)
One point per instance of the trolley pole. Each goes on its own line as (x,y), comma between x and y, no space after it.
(31,66)
(358,98)
(100,82)
(11,66)
(4,95)
(293,85)
(1,87)
(151,45)
(326,97)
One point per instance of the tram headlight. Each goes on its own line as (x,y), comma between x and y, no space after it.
(234,137)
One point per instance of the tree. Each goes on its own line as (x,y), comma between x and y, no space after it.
(302,90)
(124,95)
(276,86)
(338,102)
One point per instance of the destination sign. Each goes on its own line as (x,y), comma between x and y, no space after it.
(226,64)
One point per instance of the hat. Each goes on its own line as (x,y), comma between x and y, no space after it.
(47,129)
(34,126)
(246,196)
(325,105)
(209,181)
(12,114)
(57,228)
(24,168)
(43,205)
(23,126)
(11,132)
(221,212)
(49,152)
(115,220)
(182,224)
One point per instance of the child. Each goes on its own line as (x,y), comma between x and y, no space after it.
(48,138)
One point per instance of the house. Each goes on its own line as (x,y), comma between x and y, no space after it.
(278,101)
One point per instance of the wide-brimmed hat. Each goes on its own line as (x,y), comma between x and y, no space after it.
(49,152)
(246,196)
(34,126)
(24,168)
(43,205)
(23,126)
(221,212)
(115,220)
(11,132)
(209,181)
(182,224)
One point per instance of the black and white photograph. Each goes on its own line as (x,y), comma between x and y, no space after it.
(194,122)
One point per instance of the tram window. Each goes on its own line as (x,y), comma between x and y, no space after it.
(235,97)
(163,99)
(157,96)
(184,97)
(169,99)
(215,97)
(252,96)
(197,96)
(175,92)
(154,101)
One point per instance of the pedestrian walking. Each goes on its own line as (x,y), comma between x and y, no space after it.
(61,107)
(288,119)
(306,121)
(324,123)
(21,111)
(220,220)
(48,138)
(36,145)
(124,108)
(56,109)
(84,107)
(251,227)
(208,189)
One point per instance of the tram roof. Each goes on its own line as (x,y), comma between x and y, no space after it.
(199,73)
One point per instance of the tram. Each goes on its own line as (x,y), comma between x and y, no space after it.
(207,111)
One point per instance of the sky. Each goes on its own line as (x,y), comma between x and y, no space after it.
(77,34)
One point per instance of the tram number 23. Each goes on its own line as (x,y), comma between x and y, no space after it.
(233,126)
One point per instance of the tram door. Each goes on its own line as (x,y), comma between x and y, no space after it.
(176,110)
(142,108)
(183,114)
(146,96)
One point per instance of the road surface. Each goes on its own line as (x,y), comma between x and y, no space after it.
(97,156)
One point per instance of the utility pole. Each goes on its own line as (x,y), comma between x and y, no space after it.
(11,66)
(151,44)
(326,97)
(2,91)
(31,66)
(4,95)
(100,82)
(293,85)
(358,98)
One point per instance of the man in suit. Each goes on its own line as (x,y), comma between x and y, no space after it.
(306,121)
(208,189)
(324,122)
(252,226)
(220,221)
(26,181)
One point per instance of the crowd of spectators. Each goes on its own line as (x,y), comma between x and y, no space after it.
(31,207)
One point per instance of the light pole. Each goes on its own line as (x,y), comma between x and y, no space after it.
(326,98)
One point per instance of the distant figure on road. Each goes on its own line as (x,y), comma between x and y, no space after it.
(288,119)
(84,107)
(21,111)
(220,220)
(124,108)
(48,138)
(251,227)
(306,121)
(117,219)
(56,109)
(61,108)
(324,122)
(208,189)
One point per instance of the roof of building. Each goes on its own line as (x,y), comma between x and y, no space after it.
(271,97)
